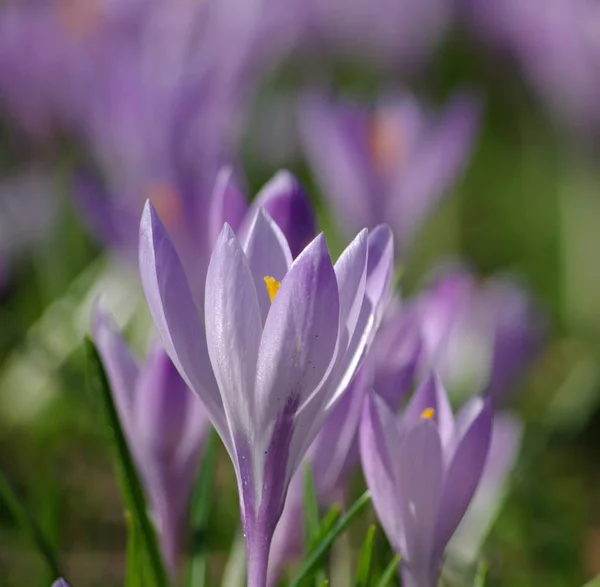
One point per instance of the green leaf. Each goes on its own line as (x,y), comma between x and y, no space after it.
(135,556)
(315,557)
(481,575)
(329,521)
(390,572)
(594,582)
(311,509)
(30,526)
(201,508)
(130,483)
(363,574)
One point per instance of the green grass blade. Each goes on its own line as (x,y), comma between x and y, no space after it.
(315,557)
(363,575)
(201,507)
(594,582)
(312,523)
(481,576)
(130,482)
(29,526)
(390,572)
(135,557)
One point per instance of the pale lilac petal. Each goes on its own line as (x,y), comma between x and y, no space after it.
(161,402)
(420,482)
(268,256)
(300,335)
(121,366)
(350,271)
(228,204)
(380,268)
(463,475)
(288,205)
(379,444)
(60,583)
(233,330)
(504,449)
(175,315)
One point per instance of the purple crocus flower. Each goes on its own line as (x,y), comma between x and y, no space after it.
(60,583)
(466,542)
(165,425)
(283,340)
(479,335)
(392,165)
(423,472)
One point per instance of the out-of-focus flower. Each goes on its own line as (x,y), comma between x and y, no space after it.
(165,425)
(382,33)
(60,583)
(480,336)
(392,165)
(466,542)
(556,43)
(423,473)
(283,339)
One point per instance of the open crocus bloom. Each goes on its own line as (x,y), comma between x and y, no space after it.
(165,425)
(393,165)
(422,472)
(282,341)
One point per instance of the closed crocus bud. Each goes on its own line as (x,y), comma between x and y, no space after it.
(60,583)
(392,165)
(423,472)
(165,425)
(282,341)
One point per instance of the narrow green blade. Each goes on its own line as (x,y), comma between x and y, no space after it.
(29,526)
(390,572)
(311,509)
(594,582)
(363,575)
(135,555)
(201,507)
(128,476)
(481,576)
(315,557)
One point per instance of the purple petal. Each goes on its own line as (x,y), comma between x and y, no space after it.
(233,330)
(334,143)
(228,205)
(380,268)
(284,198)
(379,443)
(395,356)
(268,255)
(60,583)
(504,449)
(431,394)
(435,165)
(300,335)
(162,401)
(175,315)
(121,367)
(463,475)
(420,480)
(350,271)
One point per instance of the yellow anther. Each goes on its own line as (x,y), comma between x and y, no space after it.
(428,414)
(388,148)
(272,286)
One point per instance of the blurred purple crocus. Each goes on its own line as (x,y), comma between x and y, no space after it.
(392,165)
(423,472)
(60,583)
(480,336)
(165,425)
(283,340)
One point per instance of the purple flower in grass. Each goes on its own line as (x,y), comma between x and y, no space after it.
(392,165)
(423,471)
(165,425)
(60,583)
(282,341)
